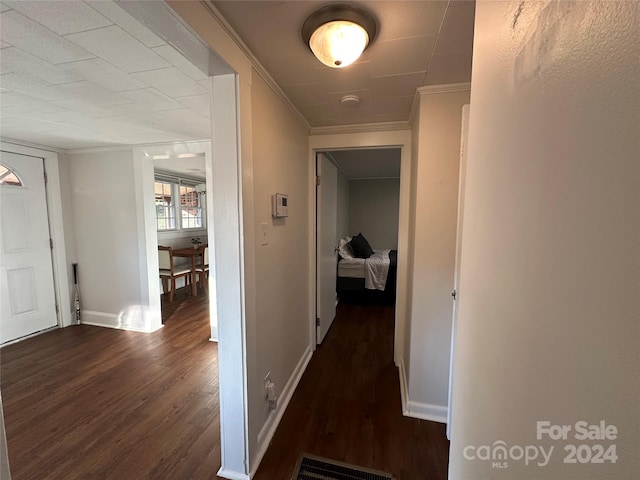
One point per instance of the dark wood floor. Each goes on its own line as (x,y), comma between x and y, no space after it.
(347,407)
(95,403)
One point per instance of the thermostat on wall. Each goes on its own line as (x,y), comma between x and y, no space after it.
(279,205)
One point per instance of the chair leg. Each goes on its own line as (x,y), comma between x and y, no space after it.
(173,288)
(165,284)
(203,280)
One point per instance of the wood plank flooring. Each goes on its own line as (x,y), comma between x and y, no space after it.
(96,403)
(347,407)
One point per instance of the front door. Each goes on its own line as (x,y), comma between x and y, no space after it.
(27,298)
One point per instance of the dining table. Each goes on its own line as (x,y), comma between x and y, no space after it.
(192,253)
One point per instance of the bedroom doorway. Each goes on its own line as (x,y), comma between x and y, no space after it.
(357,195)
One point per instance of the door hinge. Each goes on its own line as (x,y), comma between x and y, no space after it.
(454,294)
(317,321)
(318,177)
(57,308)
(51,243)
(46,179)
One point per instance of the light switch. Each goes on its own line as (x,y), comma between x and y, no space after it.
(264,234)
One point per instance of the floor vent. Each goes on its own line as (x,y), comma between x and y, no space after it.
(316,468)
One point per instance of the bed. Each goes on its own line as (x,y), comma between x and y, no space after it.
(351,283)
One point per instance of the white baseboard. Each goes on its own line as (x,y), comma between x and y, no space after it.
(269,427)
(423,411)
(232,475)
(214,334)
(99,319)
(120,322)
(403,385)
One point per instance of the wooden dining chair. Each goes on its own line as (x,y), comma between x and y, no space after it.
(203,269)
(168,270)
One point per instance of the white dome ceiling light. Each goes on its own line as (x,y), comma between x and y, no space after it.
(350,100)
(338,34)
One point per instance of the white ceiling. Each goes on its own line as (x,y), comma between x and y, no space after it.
(418,43)
(191,166)
(80,74)
(369,163)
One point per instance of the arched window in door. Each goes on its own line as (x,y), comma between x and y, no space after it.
(9,177)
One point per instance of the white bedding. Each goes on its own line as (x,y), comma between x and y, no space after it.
(374,269)
(351,267)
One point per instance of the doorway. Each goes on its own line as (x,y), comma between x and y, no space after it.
(173,162)
(27,295)
(400,139)
(180,192)
(357,200)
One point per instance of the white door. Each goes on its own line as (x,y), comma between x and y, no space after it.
(327,224)
(456,275)
(27,299)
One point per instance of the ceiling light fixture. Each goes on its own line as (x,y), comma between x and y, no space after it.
(350,100)
(338,34)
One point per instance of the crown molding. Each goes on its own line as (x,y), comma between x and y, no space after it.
(116,148)
(24,143)
(446,88)
(257,66)
(434,90)
(361,128)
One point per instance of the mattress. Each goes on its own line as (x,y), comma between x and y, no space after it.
(353,288)
(351,268)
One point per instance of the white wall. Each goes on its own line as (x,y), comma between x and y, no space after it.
(66,200)
(343,206)
(106,234)
(550,275)
(281,275)
(436,199)
(373,211)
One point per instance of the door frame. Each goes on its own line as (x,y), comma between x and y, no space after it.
(358,141)
(53,193)
(143,157)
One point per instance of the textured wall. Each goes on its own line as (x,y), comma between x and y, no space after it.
(550,276)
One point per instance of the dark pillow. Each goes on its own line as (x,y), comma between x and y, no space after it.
(360,247)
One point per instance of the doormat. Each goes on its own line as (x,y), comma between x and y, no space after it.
(310,467)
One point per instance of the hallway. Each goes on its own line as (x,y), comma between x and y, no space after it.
(347,407)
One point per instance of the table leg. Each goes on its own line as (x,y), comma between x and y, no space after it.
(194,285)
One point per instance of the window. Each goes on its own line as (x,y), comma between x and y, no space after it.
(190,206)
(165,206)
(179,205)
(9,177)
